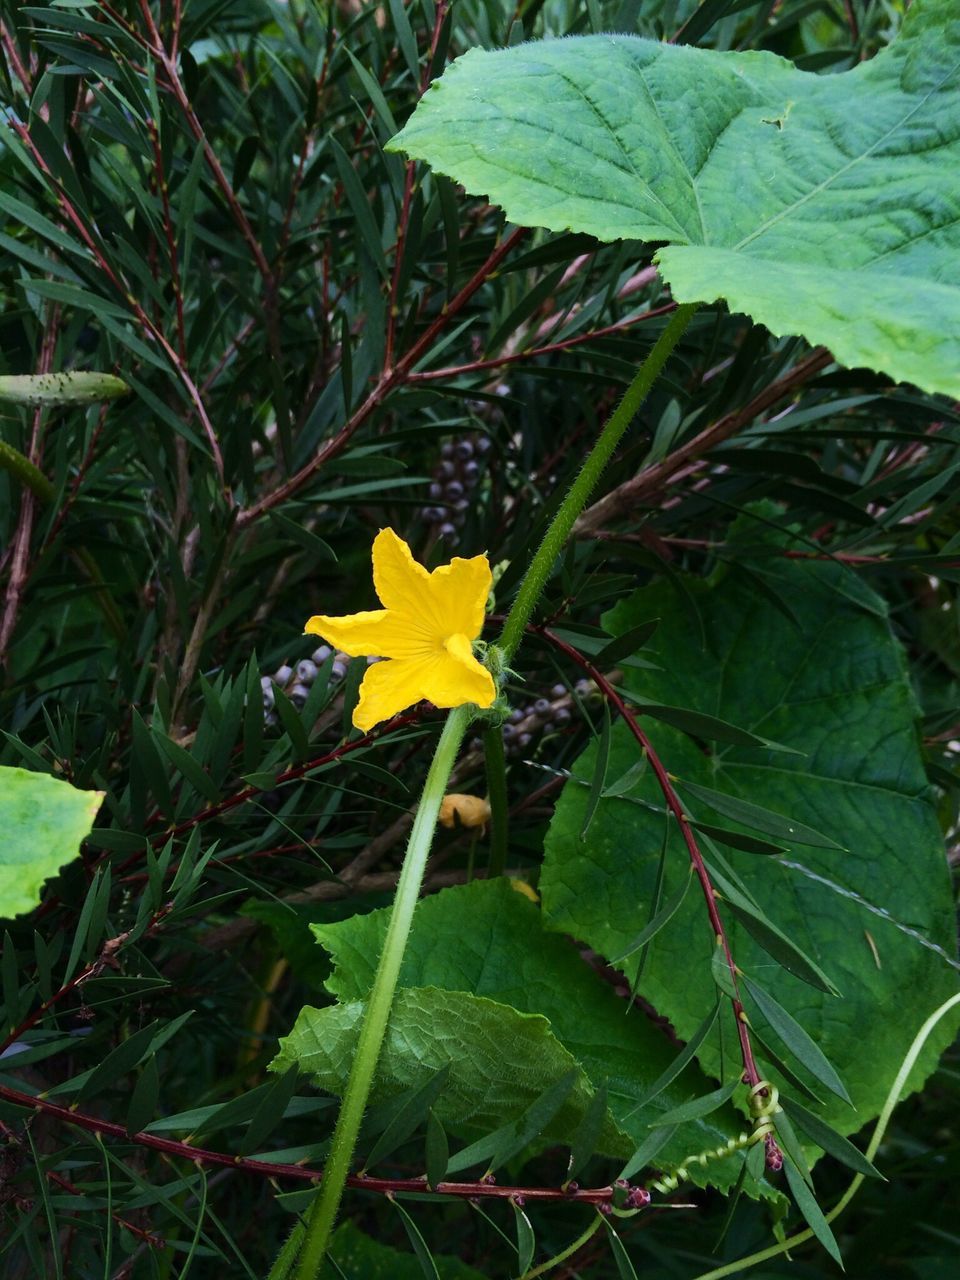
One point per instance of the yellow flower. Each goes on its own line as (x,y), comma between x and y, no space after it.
(425,630)
(458,810)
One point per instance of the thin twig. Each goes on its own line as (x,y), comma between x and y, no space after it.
(483,1189)
(653,478)
(750,1072)
(389,379)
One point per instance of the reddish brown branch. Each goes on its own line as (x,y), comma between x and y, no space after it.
(750,1073)
(265,1169)
(20,556)
(387,382)
(476,366)
(652,479)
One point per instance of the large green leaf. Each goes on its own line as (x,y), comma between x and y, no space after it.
(356,1256)
(499,1060)
(487,939)
(43,820)
(832,685)
(824,205)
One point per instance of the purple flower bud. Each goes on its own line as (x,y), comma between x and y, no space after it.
(282,674)
(541,706)
(338,671)
(446,470)
(516,715)
(638,1198)
(436,490)
(562,716)
(605,1207)
(470,471)
(484,444)
(447,451)
(524,740)
(572,1187)
(299,694)
(449,531)
(321,655)
(306,671)
(519,1201)
(463,450)
(454,489)
(558,690)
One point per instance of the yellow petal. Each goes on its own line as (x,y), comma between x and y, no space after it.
(399,581)
(455,677)
(378,633)
(460,590)
(389,688)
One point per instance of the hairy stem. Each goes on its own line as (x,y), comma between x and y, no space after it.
(323,1212)
(535,578)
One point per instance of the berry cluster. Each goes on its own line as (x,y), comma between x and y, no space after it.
(540,717)
(455,477)
(296,681)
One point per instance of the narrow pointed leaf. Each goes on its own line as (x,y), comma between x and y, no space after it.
(797,1040)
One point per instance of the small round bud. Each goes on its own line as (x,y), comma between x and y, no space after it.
(266,684)
(524,740)
(562,716)
(320,655)
(483,444)
(605,1207)
(338,670)
(306,671)
(542,706)
(558,691)
(519,1201)
(449,531)
(282,674)
(436,490)
(516,715)
(299,694)
(572,1187)
(638,1198)
(509,731)
(454,489)
(470,471)
(446,470)
(463,450)
(447,450)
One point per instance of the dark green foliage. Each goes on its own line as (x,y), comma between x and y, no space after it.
(317,345)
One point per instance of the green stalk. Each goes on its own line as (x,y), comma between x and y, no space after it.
(30,476)
(535,579)
(323,1211)
(497,795)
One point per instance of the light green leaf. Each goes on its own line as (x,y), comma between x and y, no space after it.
(833,685)
(358,1257)
(821,205)
(43,820)
(500,1061)
(487,939)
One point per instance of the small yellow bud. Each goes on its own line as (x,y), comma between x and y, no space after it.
(527,890)
(464,811)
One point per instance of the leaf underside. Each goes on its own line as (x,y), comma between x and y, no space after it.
(820,205)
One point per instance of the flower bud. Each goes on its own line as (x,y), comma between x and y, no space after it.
(458,810)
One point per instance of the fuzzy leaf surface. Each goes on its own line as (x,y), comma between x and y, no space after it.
(832,685)
(821,205)
(499,1060)
(487,939)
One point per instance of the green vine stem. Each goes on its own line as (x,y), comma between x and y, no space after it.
(893,1097)
(497,795)
(535,579)
(541,566)
(323,1212)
